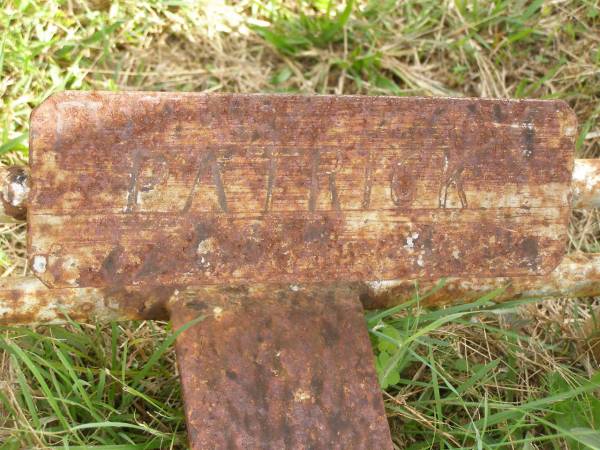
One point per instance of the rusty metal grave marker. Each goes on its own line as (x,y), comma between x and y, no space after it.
(267,214)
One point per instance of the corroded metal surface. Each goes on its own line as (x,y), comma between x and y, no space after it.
(135,188)
(281,369)
(578,275)
(27,300)
(585,186)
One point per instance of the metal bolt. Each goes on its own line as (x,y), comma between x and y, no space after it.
(14,191)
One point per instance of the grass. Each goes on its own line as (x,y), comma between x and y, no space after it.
(508,376)
(462,378)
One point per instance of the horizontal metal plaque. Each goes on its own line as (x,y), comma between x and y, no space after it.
(174,189)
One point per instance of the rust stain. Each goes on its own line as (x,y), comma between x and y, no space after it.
(27,300)
(278,369)
(179,189)
(578,275)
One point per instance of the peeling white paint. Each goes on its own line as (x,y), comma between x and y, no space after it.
(203,262)
(410,241)
(218,312)
(301,395)
(379,286)
(206,246)
(39,264)
(527,125)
